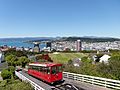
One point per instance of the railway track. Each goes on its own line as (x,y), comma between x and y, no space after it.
(59,86)
(67,86)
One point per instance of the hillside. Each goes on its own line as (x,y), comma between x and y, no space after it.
(64,57)
(90,39)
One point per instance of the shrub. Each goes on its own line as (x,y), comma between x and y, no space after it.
(3,83)
(11,69)
(6,74)
(15,85)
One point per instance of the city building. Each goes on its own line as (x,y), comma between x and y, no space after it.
(48,45)
(1,57)
(36,47)
(78,45)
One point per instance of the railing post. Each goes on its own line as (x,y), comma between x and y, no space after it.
(75,78)
(82,78)
(35,88)
(92,81)
(67,75)
(105,83)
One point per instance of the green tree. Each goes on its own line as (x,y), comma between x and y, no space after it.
(6,74)
(12,70)
(88,68)
(114,64)
(8,59)
(16,53)
(104,70)
(23,61)
(70,62)
(12,60)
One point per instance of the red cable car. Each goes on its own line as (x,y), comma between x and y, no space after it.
(49,72)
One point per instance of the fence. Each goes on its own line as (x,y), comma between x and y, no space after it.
(23,78)
(108,83)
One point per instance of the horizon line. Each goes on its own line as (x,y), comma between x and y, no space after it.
(56,37)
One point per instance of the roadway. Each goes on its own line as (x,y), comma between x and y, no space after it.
(66,85)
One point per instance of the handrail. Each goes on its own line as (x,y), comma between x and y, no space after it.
(23,78)
(108,83)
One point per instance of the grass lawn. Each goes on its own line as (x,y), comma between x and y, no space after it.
(64,57)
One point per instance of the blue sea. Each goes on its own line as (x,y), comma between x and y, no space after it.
(18,43)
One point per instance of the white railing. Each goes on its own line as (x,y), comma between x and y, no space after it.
(108,83)
(23,78)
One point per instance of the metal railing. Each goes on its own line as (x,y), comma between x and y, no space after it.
(108,83)
(23,78)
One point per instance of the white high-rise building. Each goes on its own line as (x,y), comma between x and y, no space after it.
(78,45)
(1,57)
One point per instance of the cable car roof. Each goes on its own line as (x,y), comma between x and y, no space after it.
(45,64)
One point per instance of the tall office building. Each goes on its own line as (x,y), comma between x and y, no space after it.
(48,44)
(78,45)
(36,47)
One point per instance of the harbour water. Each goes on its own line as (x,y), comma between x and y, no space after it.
(18,43)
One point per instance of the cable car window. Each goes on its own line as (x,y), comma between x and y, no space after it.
(48,70)
(29,67)
(37,68)
(44,69)
(54,70)
(33,67)
(60,69)
(41,69)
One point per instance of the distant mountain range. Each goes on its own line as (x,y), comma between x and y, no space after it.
(85,39)
(90,39)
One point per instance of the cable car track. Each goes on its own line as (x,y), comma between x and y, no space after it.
(61,86)
(67,86)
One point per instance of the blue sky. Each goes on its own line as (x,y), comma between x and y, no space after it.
(44,18)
